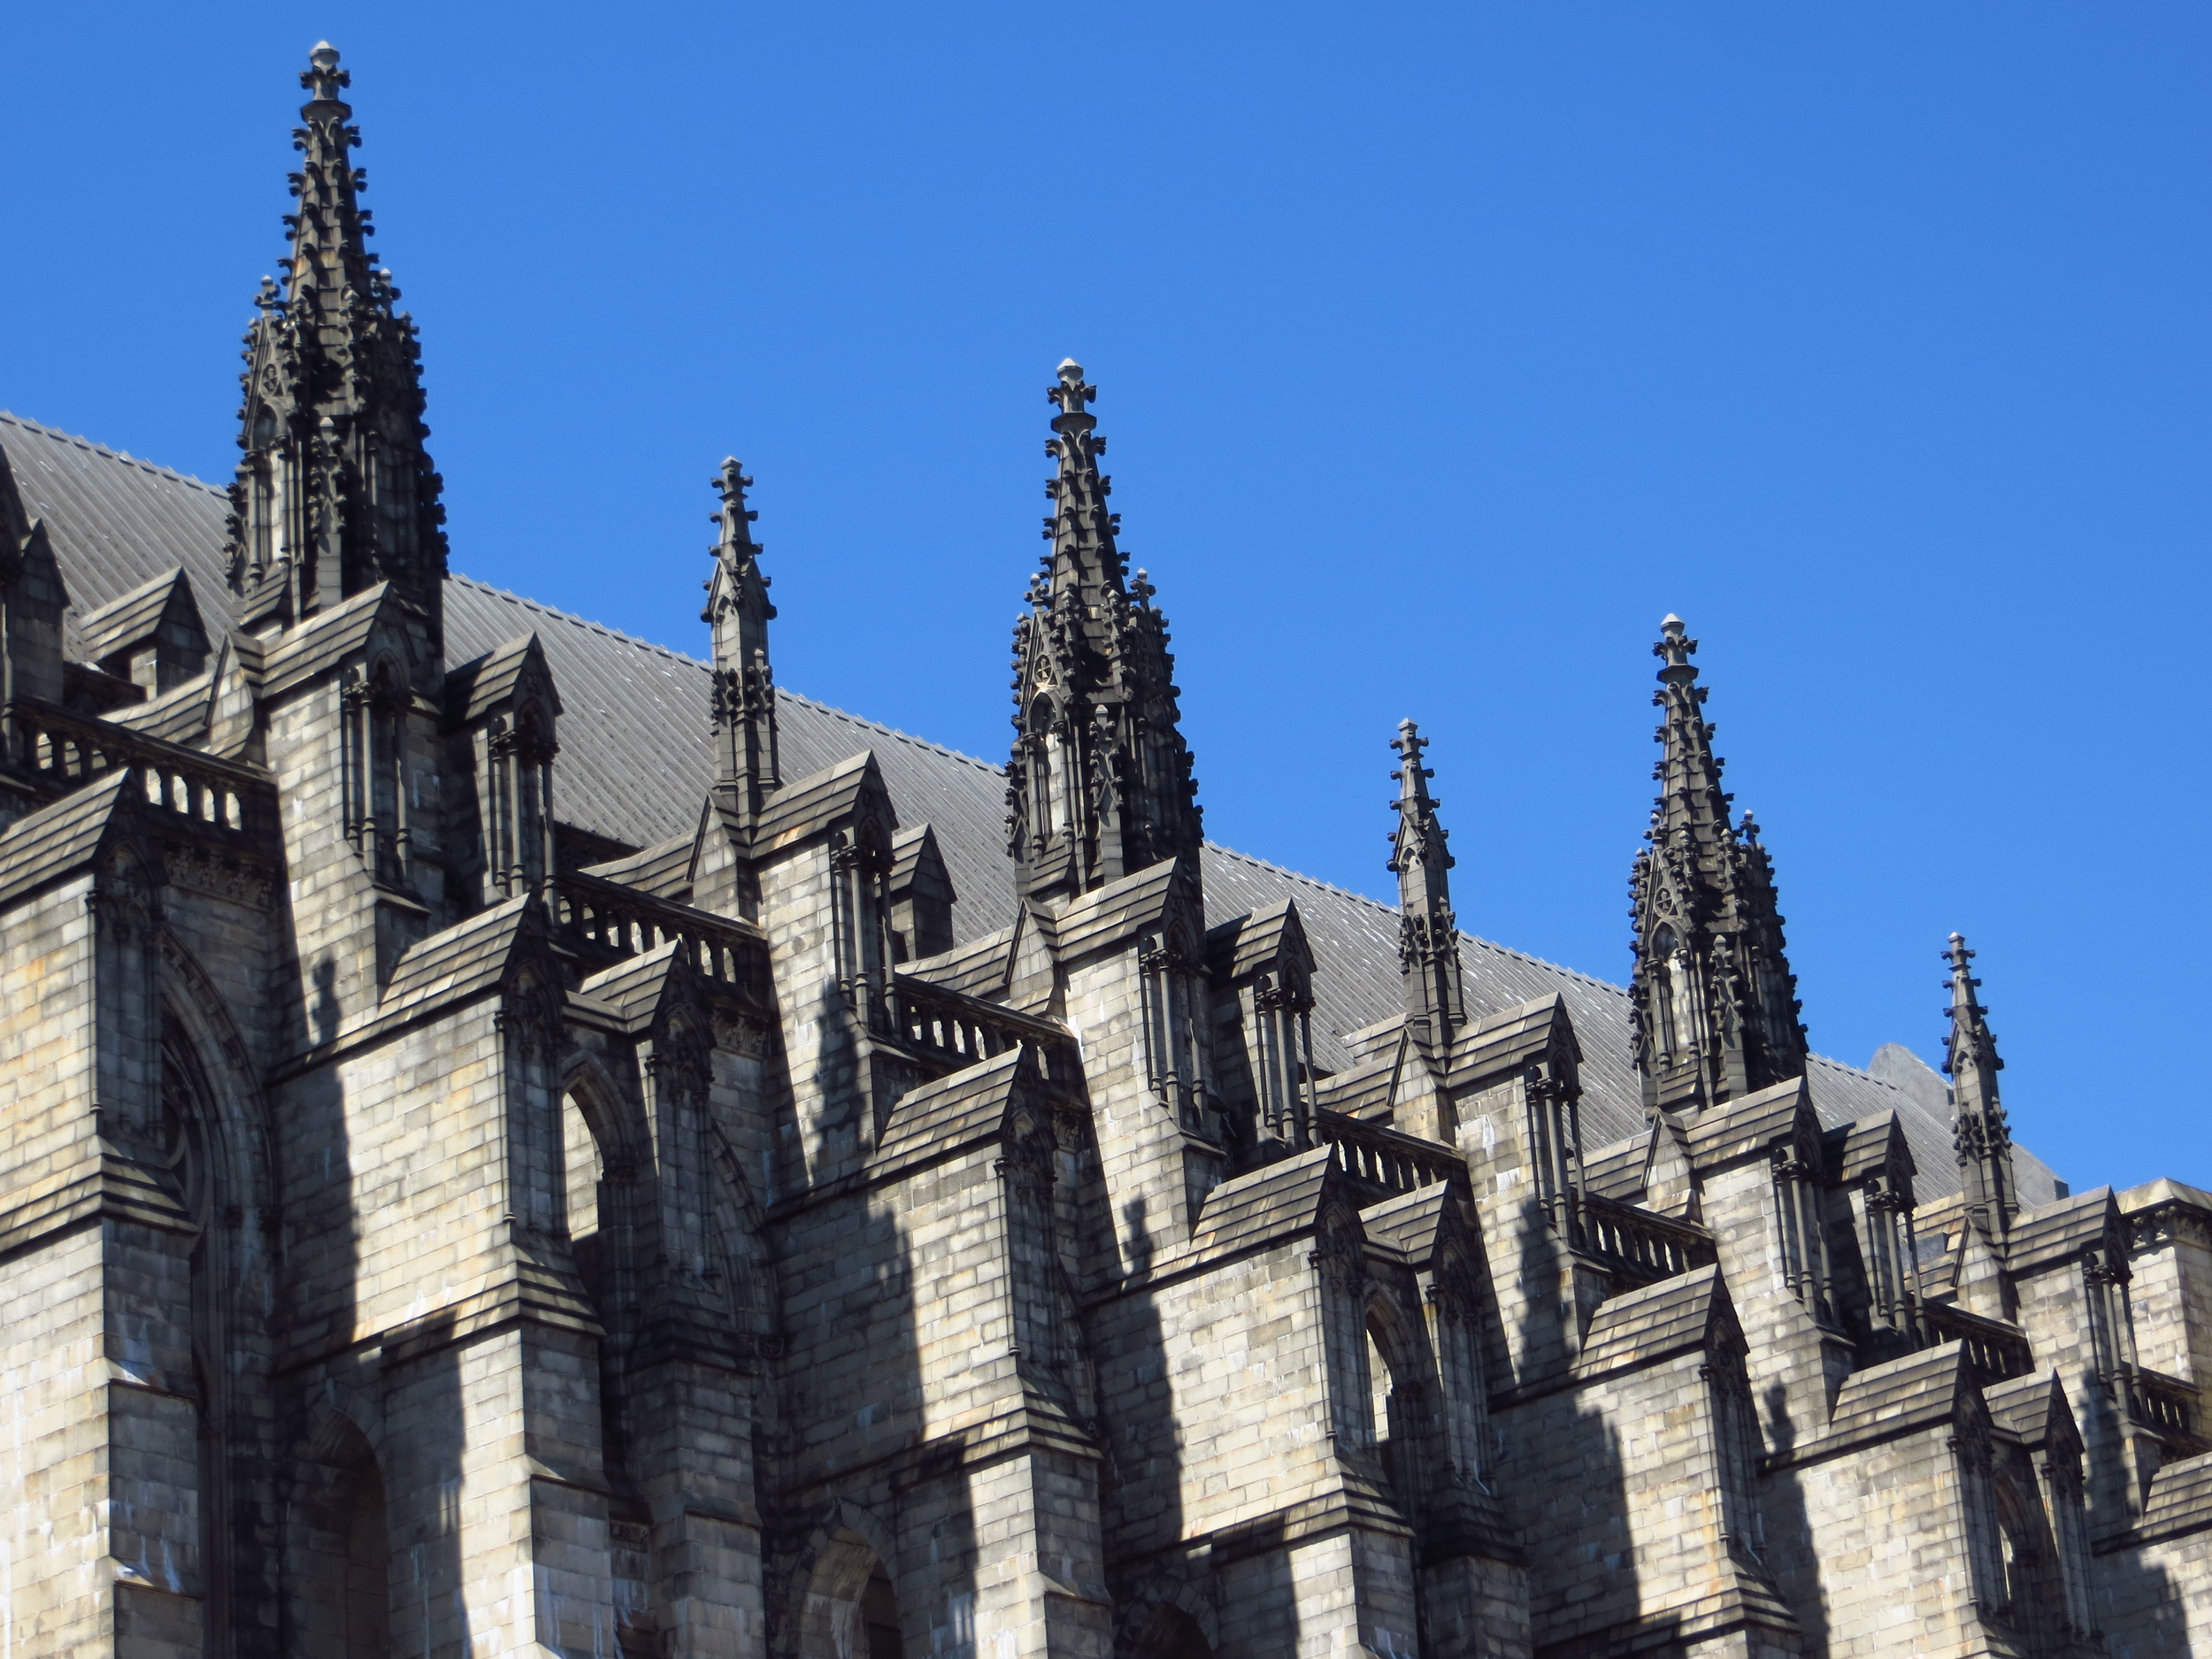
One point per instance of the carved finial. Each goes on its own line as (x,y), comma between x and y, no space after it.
(1675,648)
(1070,391)
(323,77)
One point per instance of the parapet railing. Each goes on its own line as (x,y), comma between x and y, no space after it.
(1994,1349)
(2168,1407)
(1386,1158)
(616,921)
(65,751)
(1645,1246)
(955,1030)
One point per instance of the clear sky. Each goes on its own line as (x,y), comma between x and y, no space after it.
(1443,349)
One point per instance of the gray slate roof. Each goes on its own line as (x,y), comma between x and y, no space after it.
(635,761)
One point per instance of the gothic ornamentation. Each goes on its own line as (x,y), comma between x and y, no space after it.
(1980,1133)
(337,492)
(1714,1004)
(1099,785)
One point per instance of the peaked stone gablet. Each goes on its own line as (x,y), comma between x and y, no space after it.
(1428,937)
(1978,1126)
(1714,1002)
(1099,785)
(337,492)
(744,697)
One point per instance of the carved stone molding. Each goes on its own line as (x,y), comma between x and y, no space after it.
(199,870)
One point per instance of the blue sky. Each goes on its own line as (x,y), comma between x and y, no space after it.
(1443,349)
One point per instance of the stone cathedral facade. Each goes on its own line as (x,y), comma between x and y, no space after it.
(514,1140)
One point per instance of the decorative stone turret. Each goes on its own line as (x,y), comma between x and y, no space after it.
(1099,785)
(337,493)
(1981,1135)
(1715,1003)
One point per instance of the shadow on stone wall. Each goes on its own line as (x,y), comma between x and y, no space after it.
(1141,1486)
(1789,1555)
(1561,1472)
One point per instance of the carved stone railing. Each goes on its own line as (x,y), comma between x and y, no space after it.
(1641,1245)
(607,922)
(2170,1407)
(65,751)
(949,1030)
(1994,1351)
(1385,1157)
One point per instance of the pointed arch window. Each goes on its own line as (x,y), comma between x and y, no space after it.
(1048,764)
(1672,1004)
(190,1145)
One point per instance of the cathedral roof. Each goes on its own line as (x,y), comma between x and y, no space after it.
(636,760)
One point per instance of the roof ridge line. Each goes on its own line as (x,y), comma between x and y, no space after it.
(45,430)
(540,606)
(1488,944)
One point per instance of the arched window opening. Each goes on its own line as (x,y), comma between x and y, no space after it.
(1389,1409)
(1171,1633)
(187,1133)
(880,1617)
(851,1609)
(583,1169)
(261,508)
(1669,1005)
(368,1568)
(1380,1393)
(1045,761)
(341,1549)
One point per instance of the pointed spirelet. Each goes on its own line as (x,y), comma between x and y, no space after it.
(1099,784)
(744,693)
(1979,1130)
(1428,936)
(337,492)
(1714,1002)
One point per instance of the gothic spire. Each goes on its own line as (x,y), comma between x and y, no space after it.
(1715,1003)
(744,687)
(1428,938)
(337,493)
(1099,782)
(1979,1130)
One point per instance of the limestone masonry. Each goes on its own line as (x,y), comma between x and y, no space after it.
(516,1142)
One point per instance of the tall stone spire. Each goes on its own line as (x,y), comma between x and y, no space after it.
(1428,938)
(1100,781)
(744,687)
(337,493)
(1979,1130)
(1714,999)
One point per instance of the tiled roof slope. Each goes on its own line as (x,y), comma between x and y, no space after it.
(634,760)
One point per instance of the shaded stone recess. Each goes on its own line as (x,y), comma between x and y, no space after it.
(512,1140)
